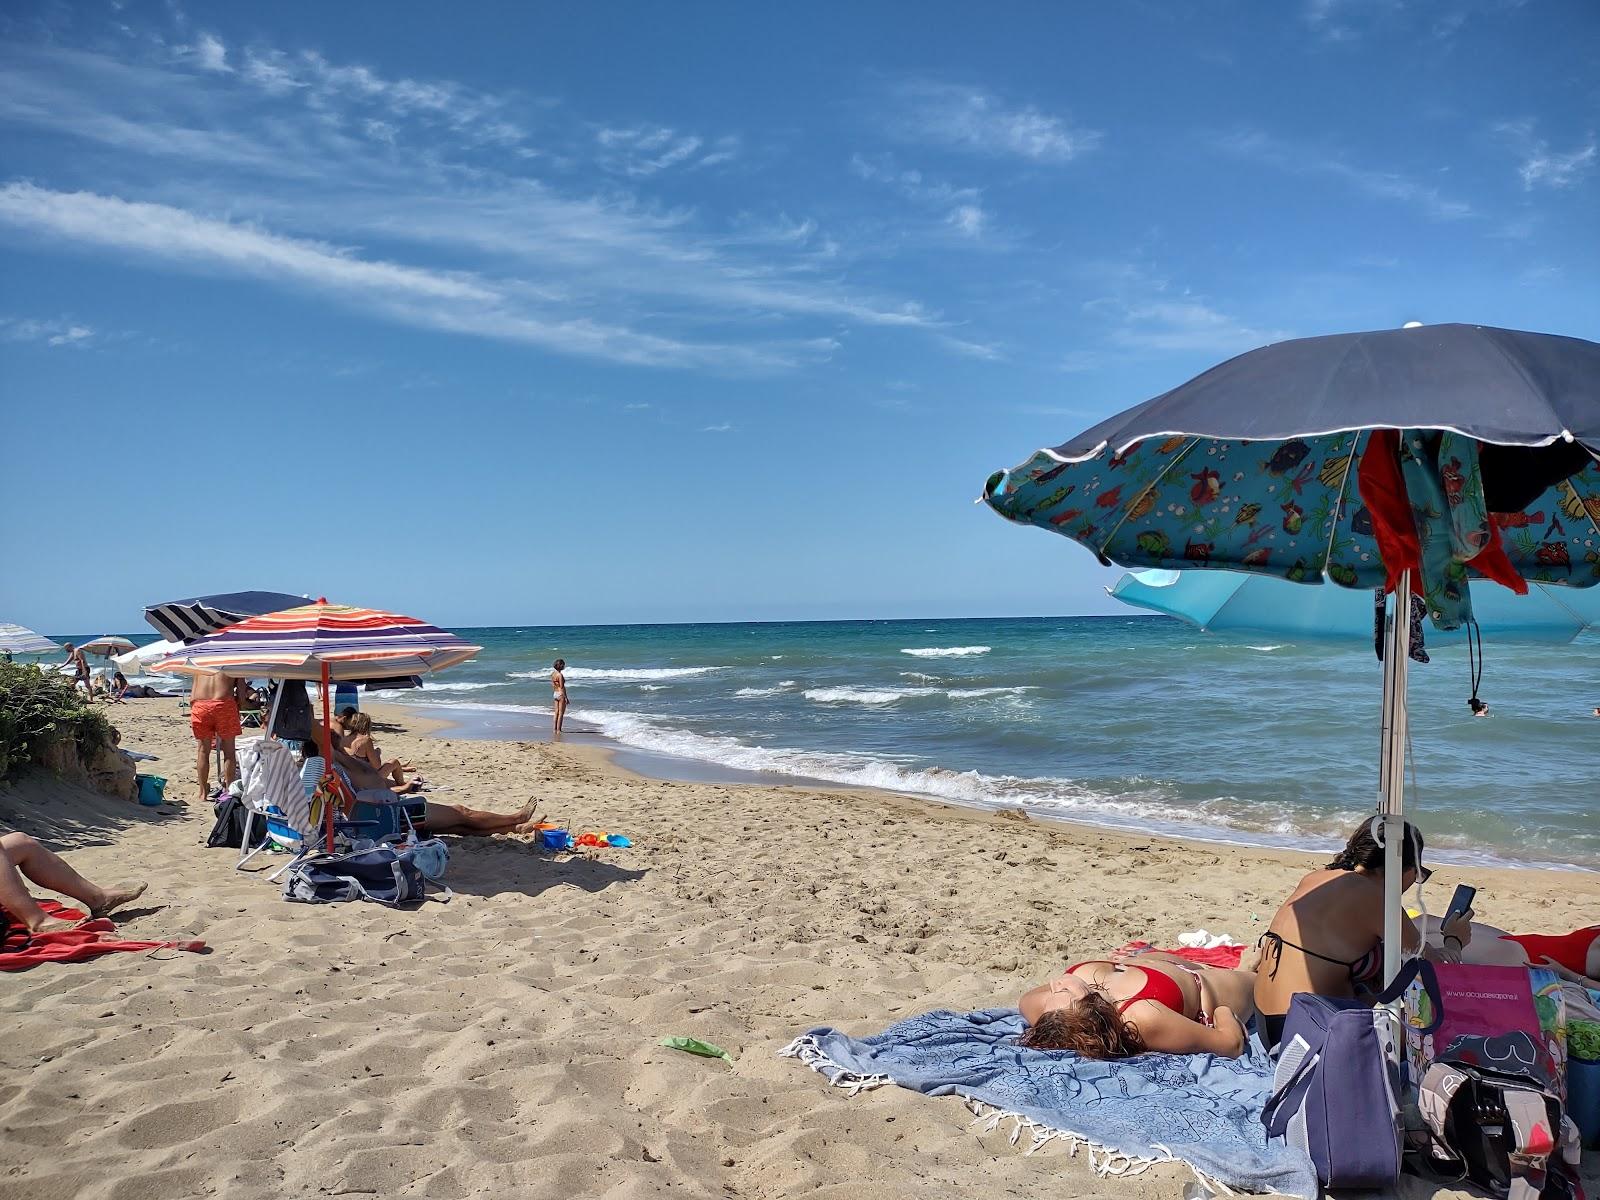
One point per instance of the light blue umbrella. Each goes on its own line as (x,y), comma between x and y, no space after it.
(1230,600)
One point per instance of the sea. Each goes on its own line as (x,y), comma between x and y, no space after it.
(1133,723)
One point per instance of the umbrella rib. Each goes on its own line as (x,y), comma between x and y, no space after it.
(1134,503)
(1338,509)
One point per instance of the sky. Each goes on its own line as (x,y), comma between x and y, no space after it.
(565,314)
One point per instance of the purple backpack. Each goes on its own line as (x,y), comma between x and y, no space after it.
(1336,1092)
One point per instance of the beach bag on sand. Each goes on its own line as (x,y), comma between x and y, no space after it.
(1337,1090)
(379,874)
(1491,1115)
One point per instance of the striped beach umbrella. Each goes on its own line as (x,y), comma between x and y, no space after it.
(323,642)
(19,639)
(194,618)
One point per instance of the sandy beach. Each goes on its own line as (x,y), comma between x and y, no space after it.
(505,1043)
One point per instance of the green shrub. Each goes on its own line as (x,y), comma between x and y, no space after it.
(37,708)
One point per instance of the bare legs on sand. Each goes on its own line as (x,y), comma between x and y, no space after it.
(453,818)
(23,858)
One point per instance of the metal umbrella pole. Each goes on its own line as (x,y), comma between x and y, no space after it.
(1392,769)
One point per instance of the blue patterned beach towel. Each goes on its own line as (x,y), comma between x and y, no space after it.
(1129,1114)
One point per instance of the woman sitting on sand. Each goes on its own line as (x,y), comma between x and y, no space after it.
(1129,1004)
(357,743)
(1327,938)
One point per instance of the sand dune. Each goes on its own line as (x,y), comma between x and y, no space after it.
(505,1043)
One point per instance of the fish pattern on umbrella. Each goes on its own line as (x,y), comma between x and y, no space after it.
(1290,509)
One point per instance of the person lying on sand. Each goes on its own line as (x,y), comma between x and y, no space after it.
(23,858)
(441,817)
(1327,938)
(1574,956)
(1124,1005)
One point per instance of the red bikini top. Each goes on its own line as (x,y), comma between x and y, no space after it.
(1157,986)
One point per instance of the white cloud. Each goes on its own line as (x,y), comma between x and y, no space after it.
(209,53)
(723,428)
(961,207)
(1143,312)
(457,302)
(1380,185)
(971,119)
(49,333)
(1541,166)
(644,151)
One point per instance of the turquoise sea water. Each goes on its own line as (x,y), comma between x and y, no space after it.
(1135,722)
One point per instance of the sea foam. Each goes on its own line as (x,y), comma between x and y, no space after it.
(945,651)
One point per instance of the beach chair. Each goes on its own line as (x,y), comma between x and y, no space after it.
(274,801)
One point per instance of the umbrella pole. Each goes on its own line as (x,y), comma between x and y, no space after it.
(327,759)
(1392,769)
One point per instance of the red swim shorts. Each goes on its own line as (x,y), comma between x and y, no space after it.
(214,718)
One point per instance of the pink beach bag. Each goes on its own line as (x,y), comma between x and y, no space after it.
(1489,1002)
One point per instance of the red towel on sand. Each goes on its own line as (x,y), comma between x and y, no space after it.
(1216,956)
(21,950)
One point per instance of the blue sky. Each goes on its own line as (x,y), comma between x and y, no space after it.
(509,313)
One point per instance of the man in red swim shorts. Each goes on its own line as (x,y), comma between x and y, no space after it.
(214,714)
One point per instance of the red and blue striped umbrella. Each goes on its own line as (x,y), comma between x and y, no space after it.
(323,642)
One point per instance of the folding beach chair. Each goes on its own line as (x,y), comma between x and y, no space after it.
(274,799)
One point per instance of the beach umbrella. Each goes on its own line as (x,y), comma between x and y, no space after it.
(1222,601)
(107,644)
(187,620)
(137,661)
(18,639)
(1412,459)
(327,643)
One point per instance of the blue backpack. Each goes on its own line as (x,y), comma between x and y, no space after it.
(1337,1090)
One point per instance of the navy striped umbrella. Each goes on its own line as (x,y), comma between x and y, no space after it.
(187,620)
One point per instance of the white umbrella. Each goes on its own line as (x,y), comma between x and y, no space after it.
(18,639)
(107,644)
(139,661)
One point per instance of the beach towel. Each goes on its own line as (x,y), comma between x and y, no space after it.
(1127,1114)
(20,950)
(1215,955)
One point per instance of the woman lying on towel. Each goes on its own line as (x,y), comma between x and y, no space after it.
(1574,956)
(1124,1005)
(1327,938)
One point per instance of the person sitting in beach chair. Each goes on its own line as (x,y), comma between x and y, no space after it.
(1327,939)
(1127,1004)
(363,778)
(23,858)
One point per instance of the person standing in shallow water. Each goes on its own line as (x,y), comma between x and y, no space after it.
(558,685)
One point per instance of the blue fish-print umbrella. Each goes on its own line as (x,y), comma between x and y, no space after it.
(1260,465)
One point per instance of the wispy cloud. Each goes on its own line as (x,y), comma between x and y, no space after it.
(961,209)
(320,156)
(722,428)
(1540,166)
(643,151)
(458,302)
(56,333)
(208,53)
(1142,311)
(1260,147)
(974,120)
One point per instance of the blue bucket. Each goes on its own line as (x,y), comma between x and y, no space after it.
(152,790)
